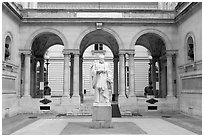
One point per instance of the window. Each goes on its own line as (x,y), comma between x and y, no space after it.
(98,47)
(7,48)
(190,48)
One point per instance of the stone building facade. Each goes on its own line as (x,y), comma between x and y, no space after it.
(171,32)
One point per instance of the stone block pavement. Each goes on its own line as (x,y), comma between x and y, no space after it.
(145,124)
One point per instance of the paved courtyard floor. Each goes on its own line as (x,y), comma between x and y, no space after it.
(154,124)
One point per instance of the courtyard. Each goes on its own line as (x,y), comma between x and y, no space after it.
(67,66)
(149,123)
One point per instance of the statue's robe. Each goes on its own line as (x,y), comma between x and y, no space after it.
(102,79)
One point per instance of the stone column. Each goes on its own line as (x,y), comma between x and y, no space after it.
(41,70)
(81,93)
(170,73)
(66,85)
(35,78)
(131,74)
(27,54)
(122,74)
(76,75)
(153,75)
(115,79)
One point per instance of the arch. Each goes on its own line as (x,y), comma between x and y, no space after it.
(41,31)
(100,36)
(188,35)
(8,33)
(163,36)
(91,29)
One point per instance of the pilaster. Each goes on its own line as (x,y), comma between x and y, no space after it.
(122,74)
(66,85)
(132,74)
(27,54)
(169,54)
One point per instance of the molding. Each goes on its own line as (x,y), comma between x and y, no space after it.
(185,91)
(189,76)
(129,15)
(16,11)
(171,52)
(71,51)
(9,76)
(66,51)
(196,65)
(187,9)
(127,51)
(7,66)
(4,92)
(104,20)
(25,51)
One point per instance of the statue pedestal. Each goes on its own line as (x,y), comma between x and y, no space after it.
(102,115)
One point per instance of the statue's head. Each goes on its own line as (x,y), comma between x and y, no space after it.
(101,58)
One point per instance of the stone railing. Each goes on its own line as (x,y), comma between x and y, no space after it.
(98,5)
(189,67)
(6,66)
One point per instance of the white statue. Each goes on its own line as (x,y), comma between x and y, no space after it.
(102,80)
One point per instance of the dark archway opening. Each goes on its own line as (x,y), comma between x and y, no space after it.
(39,76)
(158,65)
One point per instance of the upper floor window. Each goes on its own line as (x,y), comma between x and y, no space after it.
(7,48)
(98,46)
(190,48)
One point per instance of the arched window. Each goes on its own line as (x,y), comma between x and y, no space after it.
(190,46)
(7,53)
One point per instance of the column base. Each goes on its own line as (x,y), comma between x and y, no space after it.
(75,100)
(65,100)
(132,95)
(126,105)
(121,99)
(170,97)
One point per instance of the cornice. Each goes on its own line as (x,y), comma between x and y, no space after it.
(184,11)
(103,20)
(130,16)
(15,10)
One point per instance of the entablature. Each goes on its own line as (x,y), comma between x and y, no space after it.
(103,12)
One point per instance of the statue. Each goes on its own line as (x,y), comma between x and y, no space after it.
(47,89)
(148,90)
(102,80)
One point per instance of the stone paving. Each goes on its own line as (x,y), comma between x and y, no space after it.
(49,124)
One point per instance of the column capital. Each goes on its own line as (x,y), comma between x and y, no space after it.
(131,52)
(122,52)
(25,51)
(66,51)
(171,52)
(127,51)
(70,51)
(75,51)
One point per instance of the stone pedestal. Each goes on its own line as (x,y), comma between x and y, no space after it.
(102,115)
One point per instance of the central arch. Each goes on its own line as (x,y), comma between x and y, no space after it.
(105,38)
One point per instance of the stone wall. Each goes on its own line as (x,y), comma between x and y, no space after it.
(190,72)
(10,67)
